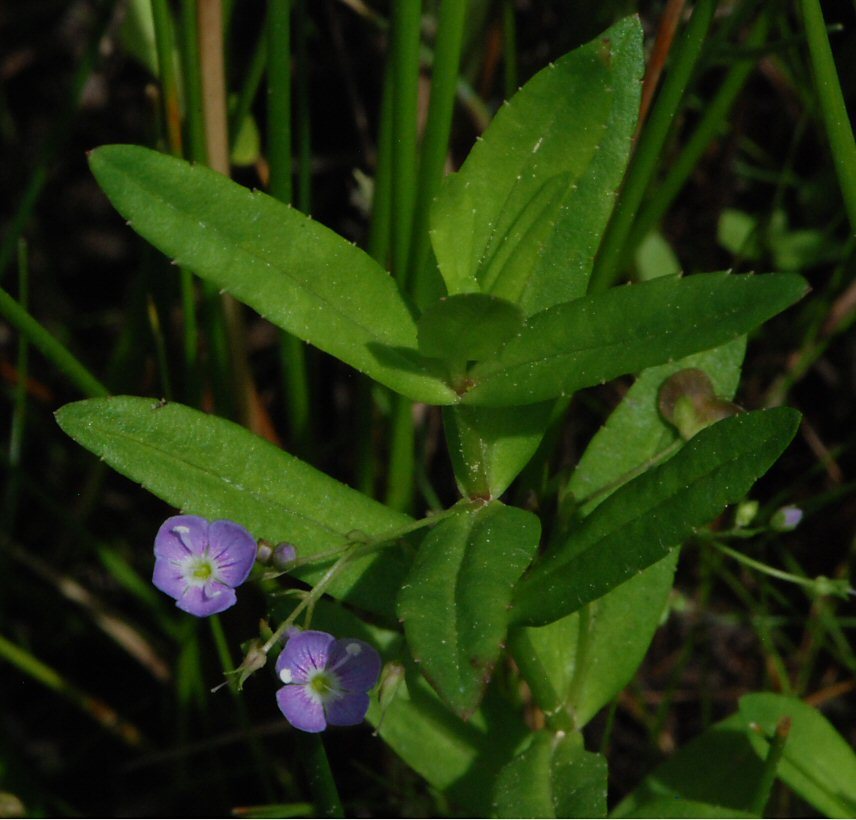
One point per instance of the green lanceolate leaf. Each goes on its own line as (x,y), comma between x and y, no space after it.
(454,603)
(587,658)
(523,217)
(552,777)
(717,767)
(641,523)
(624,330)
(292,270)
(211,467)
(817,763)
(468,327)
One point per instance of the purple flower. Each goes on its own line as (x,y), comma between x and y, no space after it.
(199,563)
(326,680)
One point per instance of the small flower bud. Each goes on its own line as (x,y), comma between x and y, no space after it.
(392,678)
(786,519)
(254,659)
(688,401)
(837,587)
(265,551)
(284,555)
(746,512)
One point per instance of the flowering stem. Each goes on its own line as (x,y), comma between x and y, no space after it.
(348,553)
(310,748)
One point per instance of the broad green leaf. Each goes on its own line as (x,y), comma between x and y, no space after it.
(818,764)
(717,767)
(459,758)
(588,657)
(205,465)
(292,270)
(553,777)
(678,807)
(523,217)
(489,446)
(455,601)
(641,523)
(468,327)
(626,329)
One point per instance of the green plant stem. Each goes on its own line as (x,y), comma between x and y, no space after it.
(16,434)
(400,488)
(509,36)
(764,568)
(301,111)
(405,68)
(195,148)
(381,227)
(160,350)
(250,87)
(643,164)
(279,98)
(52,349)
(771,766)
(435,143)
(292,351)
(310,748)
(832,106)
(347,553)
(170,99)
(401,474)
(715,114)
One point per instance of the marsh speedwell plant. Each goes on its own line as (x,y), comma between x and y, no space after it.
(479,640)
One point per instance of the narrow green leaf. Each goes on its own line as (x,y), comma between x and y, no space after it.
(455,601)
(523,217)
(642,522)
(626,329)
(553,777)
(205,465)
(292,270)
(717,767)
(588,657)
(818,764)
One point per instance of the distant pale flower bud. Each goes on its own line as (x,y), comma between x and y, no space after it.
(786,519)
(746,512)
(284,555)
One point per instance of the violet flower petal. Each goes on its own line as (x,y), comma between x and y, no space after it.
(168,577)
(210,599)
(302,711)
(347,710)
(233,550)
(304,653)
(355,663)
(180,536)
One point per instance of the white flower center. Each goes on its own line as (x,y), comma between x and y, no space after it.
(199,570)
